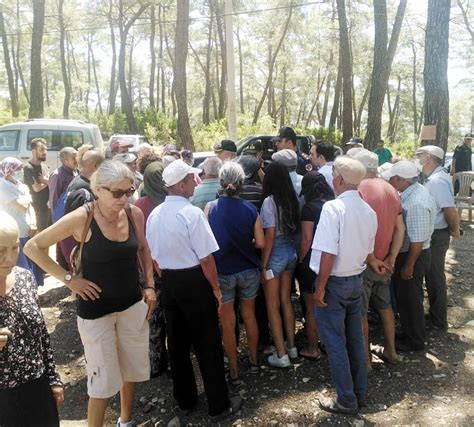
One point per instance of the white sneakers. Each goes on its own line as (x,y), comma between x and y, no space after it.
(292,352)
(279,362)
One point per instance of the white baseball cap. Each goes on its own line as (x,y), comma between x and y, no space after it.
(125,158)
(432,150)
(404,169)
(286,157)
(177,171)
(369,159)
(384,167)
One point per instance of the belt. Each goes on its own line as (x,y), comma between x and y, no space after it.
(176,270)
(347,277)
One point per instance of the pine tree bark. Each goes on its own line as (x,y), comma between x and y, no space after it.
(181,51)
(113,66)
(241,73)
(151,84)
(18,50)
(8,68)
(346,62)
(62,51)
(384,52)
(435,73)
(337,95)
(36,86)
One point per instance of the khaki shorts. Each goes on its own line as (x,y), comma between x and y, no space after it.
(116,350)
(376,290)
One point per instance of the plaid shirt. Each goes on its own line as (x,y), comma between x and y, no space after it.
(419,212)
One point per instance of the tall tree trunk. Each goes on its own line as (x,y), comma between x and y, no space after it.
(15,69)
(337,95)
(435,73)
(222,50)
(271,67)
(96,80)
(36,86)
(358,118)
(413,91)
(346,71)
(62,51)
(464,13)
(241,74)
(151,84)
(383,58)
(89,74)
(181,52)
(130,69)
(161,65)
(206,110)
(8,67)
(113,66)
(18,51)
(393,111)
(124,28)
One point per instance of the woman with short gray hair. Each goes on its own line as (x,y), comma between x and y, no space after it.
(111,306)
(238,230)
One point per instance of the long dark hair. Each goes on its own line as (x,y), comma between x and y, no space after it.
(314,186)
(277,183)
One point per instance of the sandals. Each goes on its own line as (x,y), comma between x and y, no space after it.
(236,382)
(384,358)
(311,358)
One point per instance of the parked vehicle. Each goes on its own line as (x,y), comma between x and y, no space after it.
(15,138)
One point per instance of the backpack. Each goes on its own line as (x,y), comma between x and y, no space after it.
(59,209)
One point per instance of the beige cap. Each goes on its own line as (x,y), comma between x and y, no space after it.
(369,159)
(432,150)
(404,169)
(353,151)
(351,170)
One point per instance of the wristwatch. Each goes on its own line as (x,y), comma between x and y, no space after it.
(67,277)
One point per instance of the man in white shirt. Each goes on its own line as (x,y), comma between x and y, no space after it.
(439,184)
(181,244)
(322,155)
(344,238)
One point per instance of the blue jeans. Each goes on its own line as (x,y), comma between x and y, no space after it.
(340,329)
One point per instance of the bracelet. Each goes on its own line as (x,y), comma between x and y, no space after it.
(149,287)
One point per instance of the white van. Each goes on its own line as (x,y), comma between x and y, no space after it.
(15,138)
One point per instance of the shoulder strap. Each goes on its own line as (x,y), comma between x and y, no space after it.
(90,215)
(128,211)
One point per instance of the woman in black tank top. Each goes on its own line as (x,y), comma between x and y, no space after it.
(108,293)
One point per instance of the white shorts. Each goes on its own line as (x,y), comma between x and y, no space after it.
(116,349)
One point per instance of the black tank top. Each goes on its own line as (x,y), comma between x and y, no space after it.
(113,267)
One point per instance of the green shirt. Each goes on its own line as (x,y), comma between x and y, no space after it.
(385,155)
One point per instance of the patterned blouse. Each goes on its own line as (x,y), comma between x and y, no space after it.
(27,355)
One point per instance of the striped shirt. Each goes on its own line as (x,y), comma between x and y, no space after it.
(419,212)
(205,192)
(252,192)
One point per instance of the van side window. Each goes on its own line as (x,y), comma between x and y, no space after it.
(40,133)
(9,140)
(71,138)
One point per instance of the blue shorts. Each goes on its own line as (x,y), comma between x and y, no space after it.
(283,256)
(245,284)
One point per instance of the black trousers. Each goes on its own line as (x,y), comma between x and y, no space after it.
(29,405)
(436,279)
(409,296)
(191,319)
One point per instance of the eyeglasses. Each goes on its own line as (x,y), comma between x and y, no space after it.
(117,194)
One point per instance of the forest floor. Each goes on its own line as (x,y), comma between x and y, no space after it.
(431,388)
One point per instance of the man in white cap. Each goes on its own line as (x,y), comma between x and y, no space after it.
(414,260)
(439,184)
(385,201)
(344,238)
(288,157)
(181,244)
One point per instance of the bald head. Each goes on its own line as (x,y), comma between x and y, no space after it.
(91,160)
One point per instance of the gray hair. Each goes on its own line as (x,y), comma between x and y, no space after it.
(66,153)
(109,173)
(211,166)
(231,176)
(144,146)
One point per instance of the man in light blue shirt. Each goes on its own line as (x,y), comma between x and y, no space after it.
(439,184)
(207,190)
(414,258)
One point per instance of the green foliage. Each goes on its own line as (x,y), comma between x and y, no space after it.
(157,127)
(404,149)
(334,136)
(108,125)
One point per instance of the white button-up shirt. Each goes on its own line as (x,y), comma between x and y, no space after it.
(178,234)
(440,186)
(347,229)
(326,171)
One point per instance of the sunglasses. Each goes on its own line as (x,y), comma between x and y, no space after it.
(117,194)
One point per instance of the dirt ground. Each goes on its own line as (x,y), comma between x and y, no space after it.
(432,388)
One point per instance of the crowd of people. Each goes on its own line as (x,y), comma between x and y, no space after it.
(165,258)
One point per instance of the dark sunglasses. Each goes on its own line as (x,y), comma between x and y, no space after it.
(117,194)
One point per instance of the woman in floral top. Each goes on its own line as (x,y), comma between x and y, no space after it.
(30,387)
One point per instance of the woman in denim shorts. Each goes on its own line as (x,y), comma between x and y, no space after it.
(280,218)
(316,192)
(238,230)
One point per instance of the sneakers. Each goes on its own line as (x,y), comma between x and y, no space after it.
(279,362)
(292,352)
(129,424)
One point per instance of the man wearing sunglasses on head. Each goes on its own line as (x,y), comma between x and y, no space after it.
(112,307)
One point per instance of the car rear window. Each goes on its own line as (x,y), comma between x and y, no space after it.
(9,140)
(56,139)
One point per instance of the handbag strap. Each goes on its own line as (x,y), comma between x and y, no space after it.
(128,210)
(90,215)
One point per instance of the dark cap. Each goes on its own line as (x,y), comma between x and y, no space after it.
(287,133)
(354,140)
(309,179)
(226,145)
(253,148)
(469,135)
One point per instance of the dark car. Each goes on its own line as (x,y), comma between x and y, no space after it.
(267,143)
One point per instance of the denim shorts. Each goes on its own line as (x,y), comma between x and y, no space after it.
(244,284)
(283,256)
